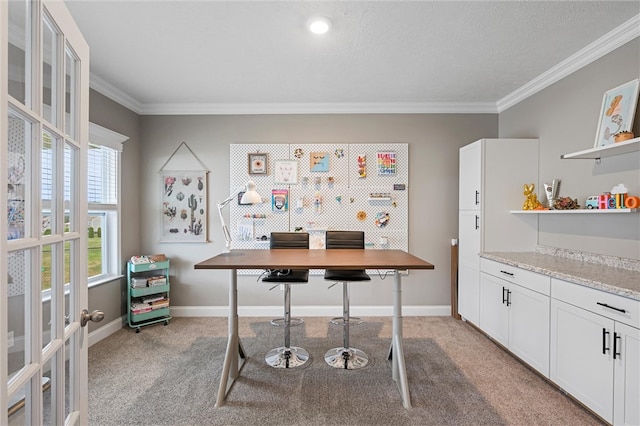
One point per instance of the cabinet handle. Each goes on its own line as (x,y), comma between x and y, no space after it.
(477,197)
(507,273)
(477,222)
(616,336)
(508,297)
(612,307)
(605,333)
(504,295)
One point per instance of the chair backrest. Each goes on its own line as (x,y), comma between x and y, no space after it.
(284,240)
(344,239)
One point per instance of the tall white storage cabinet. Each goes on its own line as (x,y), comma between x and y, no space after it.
(492,175)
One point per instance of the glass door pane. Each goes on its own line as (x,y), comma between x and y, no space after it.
(48,291)
(19,43)
(71,102)
(47,184)
(49,71)
(19,177)
(19,309)
(70,187)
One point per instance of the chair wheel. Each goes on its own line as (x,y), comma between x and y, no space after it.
(138,330)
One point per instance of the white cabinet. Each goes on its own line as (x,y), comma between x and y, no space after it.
(468,264)
(514,310)
(595,350)
(626,409)
(492,173)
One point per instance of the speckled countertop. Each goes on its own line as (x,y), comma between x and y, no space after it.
(614,275)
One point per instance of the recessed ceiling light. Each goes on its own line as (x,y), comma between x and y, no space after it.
(319,24)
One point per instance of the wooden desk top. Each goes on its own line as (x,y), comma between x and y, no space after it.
(314,259)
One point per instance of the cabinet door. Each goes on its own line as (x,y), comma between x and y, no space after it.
(627,376)
(494,312)
(470,176)
(529,327)
(578,364)
(468,265)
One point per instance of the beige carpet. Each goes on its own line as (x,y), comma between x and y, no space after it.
(168,375)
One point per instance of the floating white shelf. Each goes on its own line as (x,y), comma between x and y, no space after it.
(379,199)
(619,148)
(576,211)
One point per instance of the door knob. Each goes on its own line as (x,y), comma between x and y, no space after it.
(95,316)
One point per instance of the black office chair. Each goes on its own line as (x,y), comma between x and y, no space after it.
(287,356)
(345,357)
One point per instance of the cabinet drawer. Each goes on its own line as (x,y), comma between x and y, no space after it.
(609,305)
(531,280)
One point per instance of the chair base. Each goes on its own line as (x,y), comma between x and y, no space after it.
(279,322)
(352,321)
(287,357)
(347,359)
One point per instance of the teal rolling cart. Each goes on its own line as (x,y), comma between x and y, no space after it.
(148,293)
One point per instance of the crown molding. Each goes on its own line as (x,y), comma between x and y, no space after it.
(322,108)
(605,44)
(110,91)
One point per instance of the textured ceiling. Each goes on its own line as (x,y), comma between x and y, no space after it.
(161,54)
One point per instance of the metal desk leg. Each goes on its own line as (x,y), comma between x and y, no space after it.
(396,351)
(234,356)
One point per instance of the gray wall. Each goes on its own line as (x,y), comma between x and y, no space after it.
(433,140)
(565,117)
(111,297)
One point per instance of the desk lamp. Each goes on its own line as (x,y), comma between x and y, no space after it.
(250,196)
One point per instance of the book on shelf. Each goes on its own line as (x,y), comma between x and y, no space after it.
(152,298)
(156,280)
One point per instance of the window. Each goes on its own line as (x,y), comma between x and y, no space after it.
(103,183)
(103,196)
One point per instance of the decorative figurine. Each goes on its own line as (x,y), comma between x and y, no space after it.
(531,199)
(552,192)
(565,203)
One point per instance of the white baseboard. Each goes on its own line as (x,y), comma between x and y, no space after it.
(107,330)
(276,311)
(309,311)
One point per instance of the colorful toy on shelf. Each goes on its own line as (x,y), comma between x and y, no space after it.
(531,199)
(617,198)
(625,135)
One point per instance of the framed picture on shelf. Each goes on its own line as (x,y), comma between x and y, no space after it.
(286,171)
(617,112)
(257,162)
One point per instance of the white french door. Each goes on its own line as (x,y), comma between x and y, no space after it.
(43,258)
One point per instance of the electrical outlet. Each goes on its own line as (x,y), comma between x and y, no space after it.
(10,341)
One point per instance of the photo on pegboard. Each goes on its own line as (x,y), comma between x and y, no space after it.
(286,171)
(386,163)
(318,162)
(362,165)
(280,200)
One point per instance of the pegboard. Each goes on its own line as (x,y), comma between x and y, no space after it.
(333,174)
